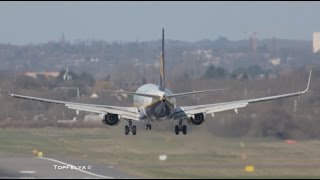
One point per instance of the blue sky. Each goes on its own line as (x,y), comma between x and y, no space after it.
(38,22)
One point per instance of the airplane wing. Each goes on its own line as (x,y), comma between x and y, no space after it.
(124,112)
(190,111)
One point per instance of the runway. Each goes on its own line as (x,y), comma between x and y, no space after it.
(44,167)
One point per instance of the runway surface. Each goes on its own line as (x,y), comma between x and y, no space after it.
(44,167)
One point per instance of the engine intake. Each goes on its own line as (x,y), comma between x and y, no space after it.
(198,119)
(111,119)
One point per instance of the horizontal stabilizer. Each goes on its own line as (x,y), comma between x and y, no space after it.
(193,92)
(133,93)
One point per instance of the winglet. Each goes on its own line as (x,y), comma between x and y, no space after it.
(308,83)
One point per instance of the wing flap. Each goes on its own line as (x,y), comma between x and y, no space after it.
(218,107)
(125,112)
(104,110)
(211,110)
(208,109)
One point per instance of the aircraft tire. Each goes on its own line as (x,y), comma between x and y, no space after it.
(177,129)
(134,130)
(126,130)
(184,129)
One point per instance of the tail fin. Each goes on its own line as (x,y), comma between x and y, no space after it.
(162,69)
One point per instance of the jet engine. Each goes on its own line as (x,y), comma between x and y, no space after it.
(111,119)
(198,119)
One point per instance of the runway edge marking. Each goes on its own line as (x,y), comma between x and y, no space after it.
(28,172)
(81,170)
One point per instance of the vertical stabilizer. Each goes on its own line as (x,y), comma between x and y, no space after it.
(162,69)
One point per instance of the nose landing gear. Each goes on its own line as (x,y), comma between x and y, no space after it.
(148,126)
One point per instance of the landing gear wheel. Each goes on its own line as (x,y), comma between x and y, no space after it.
(148,126)
(126,130)
(184,129)
(134,130)
(177,129)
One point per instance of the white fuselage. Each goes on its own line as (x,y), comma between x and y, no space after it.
(154,109)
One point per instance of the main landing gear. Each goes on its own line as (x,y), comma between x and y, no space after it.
(180,127)
(148,126)
(129,128)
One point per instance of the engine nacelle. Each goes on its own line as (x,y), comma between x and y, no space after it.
(111,119)
(198,119)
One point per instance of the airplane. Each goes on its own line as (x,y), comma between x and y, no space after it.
(155,103)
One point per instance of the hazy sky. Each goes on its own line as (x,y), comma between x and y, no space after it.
(24,22)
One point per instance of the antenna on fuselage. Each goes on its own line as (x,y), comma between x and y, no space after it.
(162,65)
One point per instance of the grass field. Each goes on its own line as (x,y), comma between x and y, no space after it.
(198,154)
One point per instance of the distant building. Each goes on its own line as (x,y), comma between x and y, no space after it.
(316,42)
(46,75)
(275,61)
(131,84)
(94,95)
(67,75)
